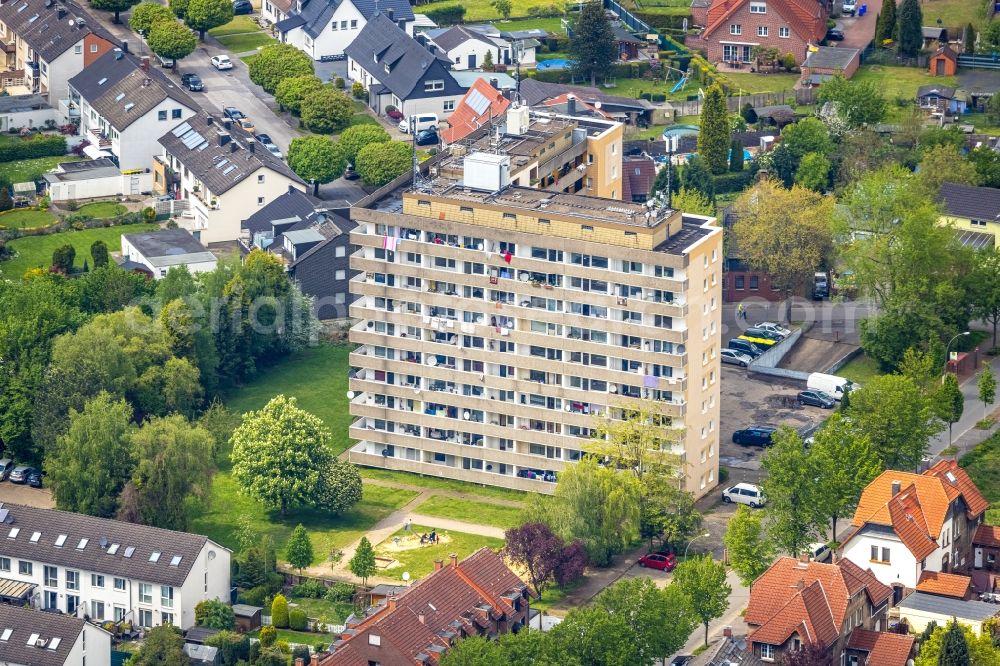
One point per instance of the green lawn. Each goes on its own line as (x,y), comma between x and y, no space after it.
(420,561)
(301,637)
(238,25)
(316,376)
(953,13)
(761,83)
(900,83)
(36,251)
(325,611)
(480,10)
(246,42)
(554,595)
(983,465)
(435,483)
(20,171)
(481,513)
(362,119)
(860,369)
(982,122)
(100,210)
(26,218)
(550,24)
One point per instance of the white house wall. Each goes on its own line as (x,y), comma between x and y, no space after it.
(32,118)
(333,42)
(58,73)
(902,568)
(139,142)
(91,188)
(442,106)
(917,620)
(460,54)
(209,579)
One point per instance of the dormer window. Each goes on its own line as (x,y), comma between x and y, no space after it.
(430,86)
(388,68)
(758,8)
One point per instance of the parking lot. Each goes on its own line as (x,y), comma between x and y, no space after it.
(26,495)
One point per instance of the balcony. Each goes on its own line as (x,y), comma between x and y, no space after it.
(68,109)
(99,138)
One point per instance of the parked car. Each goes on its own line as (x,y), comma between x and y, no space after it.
(422,121)
(832,385)
(192,82)
(816,399)
(821,286)
(761,337)
(242,7)
(221,62)
(834,35)
(35,478)
(246,124)
(166,63)
(658,561)
(232,113)
(850,7)
(735,357)
(6,467)
(263,138)
(350,173)
(428,137)
(682,660)
(819,552)
(745,347)
(744,493)
(754,436)
(20,474)
(774,328)
(333,58)
(274,150)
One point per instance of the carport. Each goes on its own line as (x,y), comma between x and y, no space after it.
(15,591)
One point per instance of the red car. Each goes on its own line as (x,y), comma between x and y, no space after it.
(658,561)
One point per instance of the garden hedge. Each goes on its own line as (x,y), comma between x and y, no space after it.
(732,182)
(40,145)
(447,15)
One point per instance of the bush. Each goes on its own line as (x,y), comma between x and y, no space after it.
(551,10)
(341,593)
(310,589)
(71,204)
(985,424)
(39,145)
(300,652)
(297,619)
(339,83)
(732,182)
(267,636)
(279,611)
(357,90)
(148,215)
(659,97)
(233,647)
(255,596)
(447,15)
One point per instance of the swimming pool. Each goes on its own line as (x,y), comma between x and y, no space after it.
(680,130)
(558,63)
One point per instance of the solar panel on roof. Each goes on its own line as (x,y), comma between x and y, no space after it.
(180,129)
(478,102)
(191,139)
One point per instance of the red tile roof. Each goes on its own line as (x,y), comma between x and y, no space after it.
(465,120)
(987,535)
(806,18)
(883,649)
(944,584)
(638,176)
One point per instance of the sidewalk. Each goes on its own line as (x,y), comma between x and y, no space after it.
(965,434)
(738,600)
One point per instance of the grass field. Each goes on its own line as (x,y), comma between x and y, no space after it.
(435,483)
(482,513)
(420,561)
(760,83)
(325,611)
(100,210)
(246,42)
(301,637)
(551,24)
(238,25)
(26,218)
(983,465)
(860,369)
(900,83)
(36,251)
(954,13)
(479,10)
(316,376)
(20,171)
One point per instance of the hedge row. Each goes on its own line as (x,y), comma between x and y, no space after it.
(732,182)
(447,15)
(39,145)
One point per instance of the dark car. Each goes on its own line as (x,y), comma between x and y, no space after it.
(20,474)
(658,561)
(754,436)
(333,58)
(682,660)
(263,138)
(834,35)
(816,399)
(233,113)
(428,137)
(192,82)
(745,346)
(35,478)
(350,173)
(242,7)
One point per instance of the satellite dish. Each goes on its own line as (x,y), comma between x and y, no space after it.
(432,361)
(406,575)
(597,105)
(350,395)
(104,542)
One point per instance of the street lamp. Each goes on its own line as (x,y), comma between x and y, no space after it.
(947,351)
(700,536)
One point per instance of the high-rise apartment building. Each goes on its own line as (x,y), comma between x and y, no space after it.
(497,323)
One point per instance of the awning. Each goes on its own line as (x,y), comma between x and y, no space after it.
(15,590)
(94,152)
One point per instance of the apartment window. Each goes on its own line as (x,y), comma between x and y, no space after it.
(260,178)
(762,31)
(784,32)
(758,8)
(93,48)
(145,618)
(145,593)
(767,652)
(166,596)
(166,618)
(96,580)
(72,580)
(120,584)
(510,216)
(51,576)
(449,105)
(333,25)
(24,567)
(4,564)
(754,282)
(78,49)
(354,23)
(260,201)
(343,25)
(735,29)
(340,251)
(161,115)
(97,610)
(175,114)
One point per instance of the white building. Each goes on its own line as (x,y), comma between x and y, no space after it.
(156,252)
(223,174)
(467,48)
(107,569)
(32,638)
(93,179)
(125,107)
(324,28)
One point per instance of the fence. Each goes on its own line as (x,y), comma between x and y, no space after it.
(872,56)
(767,363)
(757,100)
(979,61)
(627,17)
(172,207)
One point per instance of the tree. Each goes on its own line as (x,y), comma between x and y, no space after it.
(703,581)
(987,387)
(949,403)
(639,441)
(178,7)
(886,27)
(353,139)
(813,172)
(203,15)
(713,137)
(666,511)
(597,637)
(858,103)
(809,135)
(736,155)
(99,253)
(593,43)
(326,110)
(474,650)
(989,37)
(170,39)
(945,164)
(846,462)
(316,160)
(809,654)
(659,620)
(362,564)
(693,201)
(697,177)
(279,453)
(111,288)
(503,8)
(749,115)
(750,550)
(380,163)
(954,649)
(339,487)
(277,62)
(94,459)
(987,161)
(572,563)
(791,491)
(910,26)
(291,91)
(969,41)
(536,549)
(279,611)
(146,14)
(63,258)
(890,411)
(985,288)
(791,257)
(488,57)
(162,646)
(979,649)
(534,648)
(214,614)
(116,6)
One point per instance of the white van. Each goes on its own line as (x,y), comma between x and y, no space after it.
(744,493)
(830,384)
(850,7)
(423,121)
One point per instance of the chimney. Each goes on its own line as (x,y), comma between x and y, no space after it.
(570,105)
(61,13)
(233,147)
(438,564)
(251,144)
(299,662)
(224,138)
(391,14)
(144,63)
(390,602)
(727,631)
(454,559)
(209,120)
(402,24)
(291,188)
(896,487)
(125,46)
(804,557)
(314,659)
(227,123)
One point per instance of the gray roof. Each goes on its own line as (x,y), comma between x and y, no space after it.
(934,32)
(969,201)
(245,610)
(315,15)
(130,559)
(220,157)
(16,103)
(976,611)
(623,35)
(118,88)
(829,57)
(299,236)
(62,631)
(535,92)
(169,247)
(103,167)
(457,35)
(484,28)
(466,78)
(293,207)
(50,28)
(947,92)
(533,33)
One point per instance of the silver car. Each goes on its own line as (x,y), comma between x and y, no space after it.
(735,357)
(6,467)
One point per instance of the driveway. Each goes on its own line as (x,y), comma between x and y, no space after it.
(860,30)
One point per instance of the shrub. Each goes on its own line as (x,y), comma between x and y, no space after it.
(339,83)
(267,636)
(148,214)
(234,647)
(357,90)
(71,204)
(63,257)
(279,611)
(341,593)
(447,15)
(732,182)
(551,10)
(985,424)
(659,97)
(255,596)
(300,652)
(297,619)
(310,589)
(40,145)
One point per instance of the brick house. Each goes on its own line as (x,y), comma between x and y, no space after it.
(734,27)
(478,596)
(841,606)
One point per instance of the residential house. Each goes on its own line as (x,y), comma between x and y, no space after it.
(107,569)
(638,175)
(729,651)
(480,105)
(986,544)
(156,252)
(740,280)
(908,523)
(699,12)
(970,208)
(274,11)
(47,43)
(920,609)
(312,238)
(398,71)
(223,174)
(955,586)
(980,85)
(88,179)
(479,596)
(943,62)
(526,44)
(734,27)
(942,99)
(32,638)
(934,35)
(466,48)
(623,109)
(20,111)
(797,601)
(825,62)
(325,28)
(125,106)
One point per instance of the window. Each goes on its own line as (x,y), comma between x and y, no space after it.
(145,618)
(145,593)
(260,201)
(767,652)
(260,178)
(78,49)
(333,25)
(735,29)
(762,31)
(758,8)
(343,25)
(354,23)
(449,105)
(978,223)
(175,114)
(97,610)
(51,576)
(431,86)
(93,48)
(754,282)
(166,596)
(739,282)
(340,298)
(96,580)
(510,216)
(72,580)
(784,32)
(166,618)
(340,251)
(341,275)
(885,555)
(120,584)
(4,564)
(24,567)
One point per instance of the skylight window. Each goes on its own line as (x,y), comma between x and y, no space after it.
(154,556)
(14,531)
(102,81)
(32,638)
(113,549)
(129,550)
(5,636)
(175,560)
(35,537)
(119,97)
(128,107)
(60,540)
(54,643)
(82,544)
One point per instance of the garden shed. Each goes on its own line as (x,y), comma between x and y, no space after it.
(89,179)
(24,193)
(247,617)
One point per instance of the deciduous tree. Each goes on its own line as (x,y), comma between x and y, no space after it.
(949,403)
(214,614)
(146,14)
(593,43)
(809,135)
(891,412)
(474,651)
(535,548)
(703,581)
(791,491)
(986,386)
(362,564)
(170,39)
(503,8)
(660,620)
(116,6)
(316,160)
(353,139)
(944,164)
(846,462)
(339,487)
(713,135)
(693,201)
(597,637)
(750,549)
(291,91)
(162,646)
(276,62)
(326,110)
(809,654)
(63,258)
(203,15)
(858,103)
(813,172)
(380,163)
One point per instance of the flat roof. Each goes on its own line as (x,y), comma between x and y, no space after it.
(310,235)
(977,611)
(169,247)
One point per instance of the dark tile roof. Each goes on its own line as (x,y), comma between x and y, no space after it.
(457,35)
(884,649)
(169,247)
(728,652)
(219,157)
(977,611)
(294,206)
(47,627)
(946,92)
(131,559)
(969,201)
(315,15)
(50,28)
(535,92)
(122,92)
(15,103)
(831,57)
(638,174)
(409,62)
(623,35)
(532,33)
